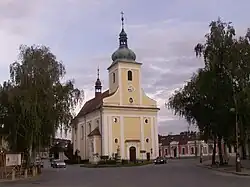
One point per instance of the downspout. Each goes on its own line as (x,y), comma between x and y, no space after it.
(85,137)
(101,124)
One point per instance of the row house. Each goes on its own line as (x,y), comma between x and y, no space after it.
(187,144)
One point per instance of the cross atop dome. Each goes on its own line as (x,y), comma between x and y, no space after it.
(123,52)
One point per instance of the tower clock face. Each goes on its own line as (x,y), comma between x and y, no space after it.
(130,88)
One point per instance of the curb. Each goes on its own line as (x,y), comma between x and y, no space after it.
(224,171)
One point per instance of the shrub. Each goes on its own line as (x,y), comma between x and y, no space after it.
(111,162)
(124,161)
(101,162)
(74,161)
(104,157)
(107,162)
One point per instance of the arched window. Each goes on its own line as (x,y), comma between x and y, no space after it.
(113,77)
(130,76)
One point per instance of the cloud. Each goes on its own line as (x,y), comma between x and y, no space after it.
(84,34)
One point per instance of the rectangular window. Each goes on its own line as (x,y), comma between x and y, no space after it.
(192,150)
(82,132)
(113,77)
(89,128)
(183,150)
(205,150)
(166,151)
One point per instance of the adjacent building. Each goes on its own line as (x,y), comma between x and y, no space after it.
(188,144)
(121,121)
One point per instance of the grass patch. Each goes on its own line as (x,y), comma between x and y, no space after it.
(115,165)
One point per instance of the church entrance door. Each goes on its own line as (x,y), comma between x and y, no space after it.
(132,154)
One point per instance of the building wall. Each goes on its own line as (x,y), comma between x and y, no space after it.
(116,135)
(189,149)
(85,125)
(130,128)
(113,84)
(122,127)
(134,84)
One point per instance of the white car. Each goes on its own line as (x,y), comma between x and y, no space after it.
(58,164)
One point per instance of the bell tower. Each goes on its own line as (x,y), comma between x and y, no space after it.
(98,85)
(122,55)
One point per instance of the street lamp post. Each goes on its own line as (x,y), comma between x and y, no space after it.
(237,160)
(235,109)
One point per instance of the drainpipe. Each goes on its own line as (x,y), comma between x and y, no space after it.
(101,112)
(85,137)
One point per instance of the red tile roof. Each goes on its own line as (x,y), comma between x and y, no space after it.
(93,104)
(182,138)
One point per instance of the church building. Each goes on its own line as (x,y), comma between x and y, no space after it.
(120,122)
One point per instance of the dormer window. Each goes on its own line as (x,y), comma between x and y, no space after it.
(130,76)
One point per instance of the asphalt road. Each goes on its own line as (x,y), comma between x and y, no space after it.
(176,173)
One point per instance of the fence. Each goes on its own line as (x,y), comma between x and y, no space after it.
(17,172)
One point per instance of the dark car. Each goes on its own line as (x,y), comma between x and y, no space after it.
(58,164)
(160,160)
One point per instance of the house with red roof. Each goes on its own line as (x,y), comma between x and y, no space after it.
(188,144)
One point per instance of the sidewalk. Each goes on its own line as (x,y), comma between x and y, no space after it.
(30,178)
(230,168)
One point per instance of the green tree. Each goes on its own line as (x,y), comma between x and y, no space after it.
(210,97)
(196,102)
(229,57)
(39,102)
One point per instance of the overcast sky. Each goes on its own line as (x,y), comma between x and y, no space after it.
(84,34)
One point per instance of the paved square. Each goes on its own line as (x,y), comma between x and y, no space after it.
(176,173)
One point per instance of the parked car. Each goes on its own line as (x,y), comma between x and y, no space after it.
(58,164)
(160,160)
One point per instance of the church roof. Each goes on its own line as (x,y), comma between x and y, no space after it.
(92,104)
(95,132)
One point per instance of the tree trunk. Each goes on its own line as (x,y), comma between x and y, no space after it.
(243,150)
(225,153)
(214,152)
(242,138)
(220,150)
